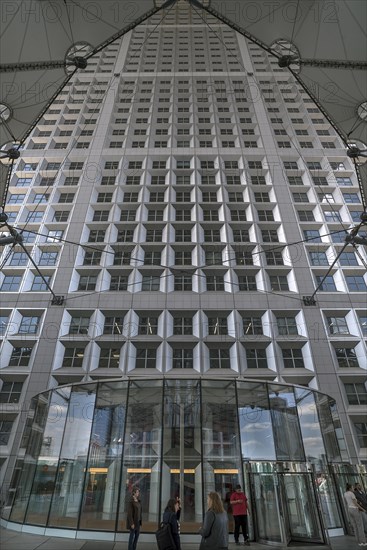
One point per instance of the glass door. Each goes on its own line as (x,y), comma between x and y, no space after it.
(268,509)
(302,518)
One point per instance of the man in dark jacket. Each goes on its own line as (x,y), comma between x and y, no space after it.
(134,516)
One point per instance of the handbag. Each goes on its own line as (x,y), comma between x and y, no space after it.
(164,537)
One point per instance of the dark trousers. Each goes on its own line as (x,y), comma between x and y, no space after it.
(133,538)
(240,522)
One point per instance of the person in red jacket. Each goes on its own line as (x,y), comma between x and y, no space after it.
(240,511)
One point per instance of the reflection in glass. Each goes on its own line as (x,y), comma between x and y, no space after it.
(328,501)
(267,507)
(301,507)
(101,486)
(257,441)
(44,481)
(222,468)
(287,434)
(73,457)
(181,469)
(142,451)
(34,429)
(310,428)
(327,427)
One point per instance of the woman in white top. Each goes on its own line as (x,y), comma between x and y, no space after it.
(355,515)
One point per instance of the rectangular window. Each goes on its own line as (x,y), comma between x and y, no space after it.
(183,358)
(346,357)
(293,358)
(256,358)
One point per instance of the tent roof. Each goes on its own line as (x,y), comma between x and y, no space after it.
(44,31)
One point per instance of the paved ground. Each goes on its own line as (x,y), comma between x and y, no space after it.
(12,540)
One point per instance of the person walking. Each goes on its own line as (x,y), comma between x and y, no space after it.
(355,511)
(214,531)
(134,518)
(362,501)
(170,516)
(240,511)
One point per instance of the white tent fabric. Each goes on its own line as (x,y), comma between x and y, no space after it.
(43,31)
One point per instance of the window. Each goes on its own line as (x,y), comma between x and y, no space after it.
(312,235)
(29,324)
(217,325)
(154,215)
(252,326)
(247,283)
(150,282)
(5,431)
(361,431)
(343,181)
(119,283)
(79,325)
(332,216)
(219,359)
(300,197)
(20,357)
(356,393)
(346,357)
(40,284)
(113,325)
(34,217)
(61,216)
(145,358)
(148,325)
(278,282)
(305,216)
(261,197)
(11,392)
(256,358)
(328,285)
(183,358)
(182,326)
(54,236)
(87,282)
(356,283)
(351,198)
(241,235)
(73,357)
(11,283)
(290,165)
(238,215)
(318,258)
(183,283)
(96,235)
(183,257)
(287,326)
(337,325)
(295,180)
(16,199)
(274,257)
(66,197)
(293,358)
(48,258)
(244,257)
(363,323)
(214,283)
(109,358)
(100,215)
(348,258)
(269,235)
(338,236)
(18,259)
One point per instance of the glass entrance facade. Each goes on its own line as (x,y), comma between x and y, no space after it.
(90,444)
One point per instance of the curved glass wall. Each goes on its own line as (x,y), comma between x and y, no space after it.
(89,444)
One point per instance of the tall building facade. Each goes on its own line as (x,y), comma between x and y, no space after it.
(184,195)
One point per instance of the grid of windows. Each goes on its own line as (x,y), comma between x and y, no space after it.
(215,190)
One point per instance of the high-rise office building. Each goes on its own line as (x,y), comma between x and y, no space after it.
(183,197)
